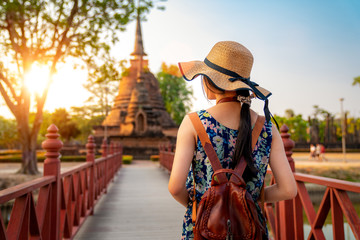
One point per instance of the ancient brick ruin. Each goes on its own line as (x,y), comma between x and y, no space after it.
(138,118)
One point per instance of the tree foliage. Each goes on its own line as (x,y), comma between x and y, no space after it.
(176,94)
(85,118)
(356,81)
(67,128)
(46,32)
(298,127)
(8,133)
(103,84)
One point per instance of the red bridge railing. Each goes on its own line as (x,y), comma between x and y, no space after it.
(166,157)
(285,219)
(64,199)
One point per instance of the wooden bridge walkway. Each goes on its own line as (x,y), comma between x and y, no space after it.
(136,206)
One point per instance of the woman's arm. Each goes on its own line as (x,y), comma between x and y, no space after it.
(185,146)
(285,186)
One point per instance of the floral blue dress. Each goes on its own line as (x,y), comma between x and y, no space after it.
(223,140)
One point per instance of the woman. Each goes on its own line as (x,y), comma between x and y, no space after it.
(226,78)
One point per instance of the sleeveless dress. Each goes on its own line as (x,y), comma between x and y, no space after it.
(223,140)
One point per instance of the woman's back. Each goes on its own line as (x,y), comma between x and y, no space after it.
(226,77)
(228,114)
(223,138)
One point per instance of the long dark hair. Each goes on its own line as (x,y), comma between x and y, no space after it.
(244,139)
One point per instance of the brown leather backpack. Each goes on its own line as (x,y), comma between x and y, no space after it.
(226,210)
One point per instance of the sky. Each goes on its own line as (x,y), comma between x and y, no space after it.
(305,52)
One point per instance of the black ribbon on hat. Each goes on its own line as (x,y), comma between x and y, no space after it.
(236,77)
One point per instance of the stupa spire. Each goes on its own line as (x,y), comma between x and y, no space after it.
(139,47)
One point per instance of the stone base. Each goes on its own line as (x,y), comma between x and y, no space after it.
(139,147)
(140,153)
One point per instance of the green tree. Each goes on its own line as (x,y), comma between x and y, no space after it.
(356,81)
(321,120)
(176,95)
(85,118)
(289,113)
(298,127)
(103,83)
(46,32)
(8,133)
(67,128)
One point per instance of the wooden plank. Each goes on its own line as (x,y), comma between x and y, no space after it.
(137,206)
(306,202)
(337,218)
(17,218)
(298,219)
(323,210)
(269,210)
(349,212)
(2,228)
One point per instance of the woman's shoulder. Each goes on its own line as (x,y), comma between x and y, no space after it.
(267,127)
(255,116)
(203,114)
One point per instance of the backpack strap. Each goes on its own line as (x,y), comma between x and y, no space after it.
(205,142)
(211,154)
(260,121)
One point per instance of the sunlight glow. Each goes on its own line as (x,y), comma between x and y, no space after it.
(67,89)
(37,78)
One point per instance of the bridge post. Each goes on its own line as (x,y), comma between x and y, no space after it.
(169,147)
(112,148)
(288,145)
(90,157)
(121,154)
(52,145)
(104,147)
(285,209)
(117,158)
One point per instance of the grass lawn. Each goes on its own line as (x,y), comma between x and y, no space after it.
(334,167)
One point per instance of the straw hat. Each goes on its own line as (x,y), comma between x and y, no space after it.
(228,66)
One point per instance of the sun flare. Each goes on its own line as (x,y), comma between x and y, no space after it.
(37,78)
(65,91)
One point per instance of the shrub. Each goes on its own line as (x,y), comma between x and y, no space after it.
(127,159)
(77,158)
(9,152)
(154,158)
(40,157)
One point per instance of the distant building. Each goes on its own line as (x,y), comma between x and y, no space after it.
(138,118)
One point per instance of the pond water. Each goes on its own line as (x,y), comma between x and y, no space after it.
(327,230)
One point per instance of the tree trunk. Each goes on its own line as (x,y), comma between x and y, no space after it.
(28,147)
(29,160)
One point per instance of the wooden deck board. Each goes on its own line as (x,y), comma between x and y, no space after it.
(137,206)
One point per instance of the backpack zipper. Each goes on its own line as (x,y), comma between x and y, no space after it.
(229,234)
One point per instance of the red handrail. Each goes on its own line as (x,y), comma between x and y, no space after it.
(166,158)
(23,188)
(64,199)
(335,199)
(328,182)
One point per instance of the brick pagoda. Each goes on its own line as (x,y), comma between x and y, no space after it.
(138,118)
